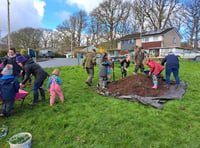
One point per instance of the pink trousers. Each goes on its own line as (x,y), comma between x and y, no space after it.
(55,89)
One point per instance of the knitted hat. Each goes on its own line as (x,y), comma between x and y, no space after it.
(8,70)
(20,59)
(18,54)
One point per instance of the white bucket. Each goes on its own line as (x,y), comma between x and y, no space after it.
(26,144)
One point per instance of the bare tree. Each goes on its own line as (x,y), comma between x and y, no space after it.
(95,31)
(125,27)
(81,19)
(157,14)
(192,21)
(64,34)
(27,37)
(110,13)
(46,37)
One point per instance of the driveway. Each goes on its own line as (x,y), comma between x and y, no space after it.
(56,62)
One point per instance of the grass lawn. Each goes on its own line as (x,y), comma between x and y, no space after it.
(87,119)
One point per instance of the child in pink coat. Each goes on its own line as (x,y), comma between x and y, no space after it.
(155,70)
(53,84)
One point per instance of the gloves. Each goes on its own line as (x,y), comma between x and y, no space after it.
(83,67)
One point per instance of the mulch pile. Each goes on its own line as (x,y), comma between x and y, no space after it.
(139,84)
(138,88)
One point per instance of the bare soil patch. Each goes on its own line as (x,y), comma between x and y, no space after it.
(139,84)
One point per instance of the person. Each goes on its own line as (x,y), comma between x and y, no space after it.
(172,66)
(23,71)
(9,86)
(109,67)
(37,71)
(53,85)
(103,72)
(138,60)
(155,70)
(124,65)
(10,58)
(89,62)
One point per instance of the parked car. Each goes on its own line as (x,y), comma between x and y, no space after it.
(191,55)
(46,54)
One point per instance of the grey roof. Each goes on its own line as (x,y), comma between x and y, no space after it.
(148,33)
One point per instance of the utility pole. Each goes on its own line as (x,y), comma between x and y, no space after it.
(8,6)
(0,39)
(71,44)
(141,28)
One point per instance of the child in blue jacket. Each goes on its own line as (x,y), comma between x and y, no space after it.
(9,86)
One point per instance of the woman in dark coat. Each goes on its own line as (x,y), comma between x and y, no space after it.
(30,67)
(10,58)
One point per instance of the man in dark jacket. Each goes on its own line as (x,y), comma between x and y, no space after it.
(30,67)
(9,86)
(172,65)
(138,60)
(89,62)
(11,59)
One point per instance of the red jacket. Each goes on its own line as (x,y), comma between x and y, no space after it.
(154,67)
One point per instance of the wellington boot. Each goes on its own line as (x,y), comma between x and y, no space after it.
(155,86)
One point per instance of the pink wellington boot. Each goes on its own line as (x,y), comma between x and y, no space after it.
(155,86)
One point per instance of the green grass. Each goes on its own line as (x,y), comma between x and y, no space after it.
(105,122)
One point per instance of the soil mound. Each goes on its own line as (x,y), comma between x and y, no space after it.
(139,84)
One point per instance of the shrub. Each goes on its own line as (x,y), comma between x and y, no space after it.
(3,53)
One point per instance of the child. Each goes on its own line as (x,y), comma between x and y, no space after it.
(124,65)
(54,86)
(104,63)
(155,70)
(9,86)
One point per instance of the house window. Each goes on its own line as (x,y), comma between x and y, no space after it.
(146,39)
(174,40)
(155,38)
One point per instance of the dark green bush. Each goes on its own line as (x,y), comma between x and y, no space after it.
(3,53)
(58,55)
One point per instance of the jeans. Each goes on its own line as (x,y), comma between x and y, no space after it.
(175,70)
(37,86)
(7,106)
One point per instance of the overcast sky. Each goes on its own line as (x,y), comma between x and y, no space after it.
(40,13)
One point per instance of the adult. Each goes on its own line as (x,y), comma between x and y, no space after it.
(172,65)
(89,62)
(27,56)
(30,67)
(10,58)
(138,60)
(103,72)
